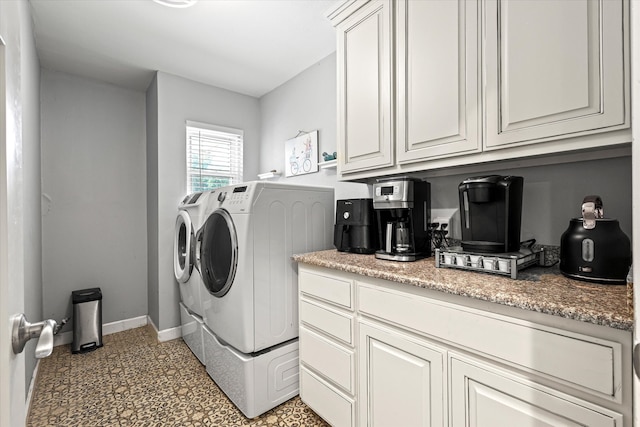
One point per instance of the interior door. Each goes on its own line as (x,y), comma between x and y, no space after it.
(12,367)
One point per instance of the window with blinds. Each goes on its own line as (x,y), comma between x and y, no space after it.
(214,156)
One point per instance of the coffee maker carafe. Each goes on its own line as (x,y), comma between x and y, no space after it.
(403,208)
(491,213)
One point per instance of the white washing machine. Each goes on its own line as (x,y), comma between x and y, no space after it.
(250,304)
(191,214)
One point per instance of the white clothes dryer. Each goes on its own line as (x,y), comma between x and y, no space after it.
(245,247)
(191,214)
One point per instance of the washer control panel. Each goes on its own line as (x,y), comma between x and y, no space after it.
(236,199)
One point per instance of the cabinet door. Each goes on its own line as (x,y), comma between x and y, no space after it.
(481,397)
(401,380)
(554,69)
(437,100)
(365,81)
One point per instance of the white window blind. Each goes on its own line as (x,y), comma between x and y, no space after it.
(214,156)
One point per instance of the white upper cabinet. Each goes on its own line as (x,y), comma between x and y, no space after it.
(554,69)
(365,76)
(437,79)
(431,84)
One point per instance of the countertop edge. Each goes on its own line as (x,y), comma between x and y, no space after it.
(553,309)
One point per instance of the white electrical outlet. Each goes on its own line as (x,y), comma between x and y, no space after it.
(451,218)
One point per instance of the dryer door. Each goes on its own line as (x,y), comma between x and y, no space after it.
(183,248)
(218,248)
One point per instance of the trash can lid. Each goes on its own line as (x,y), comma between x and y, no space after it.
(86,295)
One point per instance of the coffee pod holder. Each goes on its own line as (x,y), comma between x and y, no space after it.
(505,264)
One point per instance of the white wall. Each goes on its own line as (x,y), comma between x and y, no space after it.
(307,102)
(179,100)
(94,231)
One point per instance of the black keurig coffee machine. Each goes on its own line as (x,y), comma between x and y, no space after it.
(403,209)
(356,228)
(491,213)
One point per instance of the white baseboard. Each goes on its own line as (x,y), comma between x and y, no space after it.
(167,334)
(107,329)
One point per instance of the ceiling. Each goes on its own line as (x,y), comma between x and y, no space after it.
(246,46)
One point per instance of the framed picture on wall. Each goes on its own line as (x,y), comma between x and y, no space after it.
(301,154)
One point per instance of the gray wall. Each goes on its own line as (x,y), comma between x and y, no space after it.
(553,194)
(307,102)
(179,100)
(94,231)
(152,200)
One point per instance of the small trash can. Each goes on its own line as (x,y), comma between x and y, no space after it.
(87,320)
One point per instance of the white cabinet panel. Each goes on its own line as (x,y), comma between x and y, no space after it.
(546,350)
(331,322)
(328,288)
(364,88)
(553,69)
(329,403)
(481,397)
(401,380)
(332,361)
(438,73)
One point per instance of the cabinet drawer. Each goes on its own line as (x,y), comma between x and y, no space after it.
(327,402)
(331,322)
(334,290)
(334,362)
(576,359)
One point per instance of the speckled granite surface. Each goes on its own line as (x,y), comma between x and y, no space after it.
(539,289)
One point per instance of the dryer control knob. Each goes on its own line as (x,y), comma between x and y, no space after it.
(221,197)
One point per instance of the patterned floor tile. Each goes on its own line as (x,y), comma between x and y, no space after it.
(133,380)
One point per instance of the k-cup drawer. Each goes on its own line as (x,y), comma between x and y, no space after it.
(325,287)
(330,322)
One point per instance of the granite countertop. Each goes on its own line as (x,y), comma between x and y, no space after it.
(540,289)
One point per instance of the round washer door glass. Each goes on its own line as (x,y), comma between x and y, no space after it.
(218,252)
(183,246)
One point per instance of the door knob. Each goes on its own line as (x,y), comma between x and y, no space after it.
(22,331)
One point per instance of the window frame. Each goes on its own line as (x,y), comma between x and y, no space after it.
(191,127)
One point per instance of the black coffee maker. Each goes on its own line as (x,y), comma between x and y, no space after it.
(491,213)
(356,228)
(403,208)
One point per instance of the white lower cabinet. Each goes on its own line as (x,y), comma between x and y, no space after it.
(402,380)
(378,353)
(327,345)
(483,396)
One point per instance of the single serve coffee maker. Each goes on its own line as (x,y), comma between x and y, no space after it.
(403,210)
(491,212)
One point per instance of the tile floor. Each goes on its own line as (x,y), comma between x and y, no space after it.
(133,380)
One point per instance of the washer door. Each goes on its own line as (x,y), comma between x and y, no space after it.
(183,248)
(218,249)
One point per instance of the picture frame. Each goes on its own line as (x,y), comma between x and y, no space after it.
(301,154)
